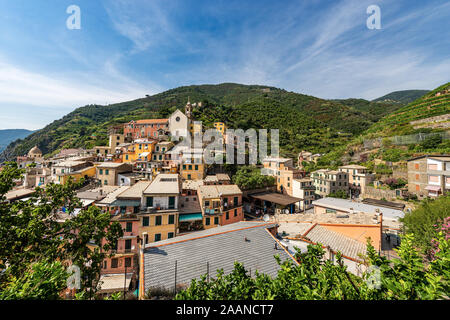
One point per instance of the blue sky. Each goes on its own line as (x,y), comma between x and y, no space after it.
(127,49)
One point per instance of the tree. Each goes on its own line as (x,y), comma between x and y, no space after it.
(41,280)
(248,177)
(32,233)
(339,194)
(422,221)
(315,278)
(431,142)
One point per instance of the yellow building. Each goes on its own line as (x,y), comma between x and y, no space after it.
(139,150)
(157,226)
(75,169)
(193,167)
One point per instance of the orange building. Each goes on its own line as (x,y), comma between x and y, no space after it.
(148,128)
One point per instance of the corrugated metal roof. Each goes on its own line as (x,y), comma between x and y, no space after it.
(220,247)
(336,241)
(347,205)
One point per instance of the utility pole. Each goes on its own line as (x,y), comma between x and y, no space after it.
(125,281)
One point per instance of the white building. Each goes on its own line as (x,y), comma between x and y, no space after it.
(178,125)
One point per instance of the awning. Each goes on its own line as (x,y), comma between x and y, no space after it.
(433,188)
(126,203)
(274,197)
(190,217)
(144,154)
(86,202)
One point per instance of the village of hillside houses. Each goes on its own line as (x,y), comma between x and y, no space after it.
(183,218)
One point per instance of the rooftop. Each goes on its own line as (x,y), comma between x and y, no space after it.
(112,165)
(164,184)
(192,184)
(112,196)
(278,198)
(349,206)
(247,242)
(353,166)
(135,191)
(270,159)
(335,240)
(69,163)
(216,191)
(151,121)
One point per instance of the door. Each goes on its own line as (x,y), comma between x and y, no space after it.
(171,202)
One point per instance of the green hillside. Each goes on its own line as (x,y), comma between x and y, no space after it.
(421,127)
(374,110)
(404,96)
(304,121)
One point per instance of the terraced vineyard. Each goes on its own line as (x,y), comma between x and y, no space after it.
(435,103)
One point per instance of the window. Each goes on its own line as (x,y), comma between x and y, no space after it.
(171,219)
(432,167)
(206,203)
(122,210)
(158,220)
(236,201)
(105,182)
(227,215)
(184,167)
(330,211)
(127,262)
(190,167)
(189,177)
(149,201)
(101,171)
(216,220)
(157,237)
(235,212)
(170,235)
(105,264)
(207,221)
(196,167)
(106,171)
(126,157)
(145,221)
(129,227)
(128,244)
(433,178)
(114,263)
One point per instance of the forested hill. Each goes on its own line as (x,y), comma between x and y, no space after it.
(420,127)
(404,96)
(305,122)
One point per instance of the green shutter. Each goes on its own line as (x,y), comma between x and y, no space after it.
(149,201)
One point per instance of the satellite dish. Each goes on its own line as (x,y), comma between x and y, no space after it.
(266,218)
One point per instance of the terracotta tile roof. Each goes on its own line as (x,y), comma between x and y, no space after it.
(152,121)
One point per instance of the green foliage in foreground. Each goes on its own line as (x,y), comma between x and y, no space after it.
(423,221)
(315,278)
(36,245)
